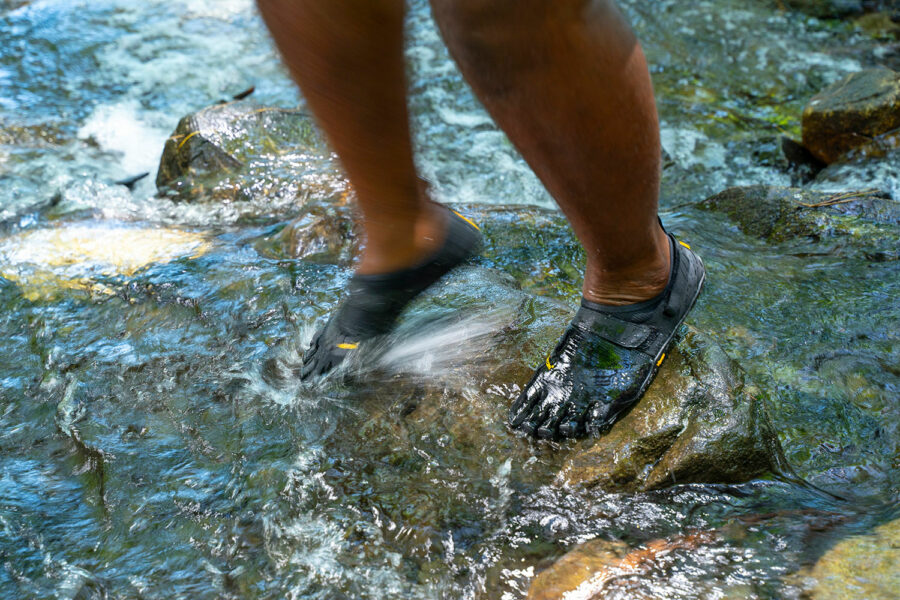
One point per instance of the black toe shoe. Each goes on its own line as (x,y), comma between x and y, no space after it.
(607,357)
(373,302)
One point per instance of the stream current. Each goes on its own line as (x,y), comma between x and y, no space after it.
(143,454)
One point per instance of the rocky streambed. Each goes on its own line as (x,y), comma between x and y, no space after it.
(156,442)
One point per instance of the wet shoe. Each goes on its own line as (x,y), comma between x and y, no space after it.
(607,357)
(373,302)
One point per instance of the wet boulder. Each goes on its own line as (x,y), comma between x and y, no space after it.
(864,223)
(826,8)
(240,151)
(856,112)
(699,422)
(860,566)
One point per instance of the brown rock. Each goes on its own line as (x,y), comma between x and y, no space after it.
(598,568)
(324,232)
(852,112)
(861,566)
(696,423)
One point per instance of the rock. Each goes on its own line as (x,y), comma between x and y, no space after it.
(239,150)
(535,245)
(325,231)
(13,4)
(861,566)
(78,257)
(852,112)
(601,569)
(882,25)
(864,223)
(800,159)
(826,8)
(697,423)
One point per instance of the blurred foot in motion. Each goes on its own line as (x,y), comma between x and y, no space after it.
(374,301)
(568,83)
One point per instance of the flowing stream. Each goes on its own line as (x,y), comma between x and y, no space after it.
(144,453)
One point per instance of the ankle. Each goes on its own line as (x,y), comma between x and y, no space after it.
(392,246)
(635,282)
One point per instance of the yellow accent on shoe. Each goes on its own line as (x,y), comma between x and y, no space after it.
(467,220)
(661,358)
(547,361)
(352,346)
(684,244)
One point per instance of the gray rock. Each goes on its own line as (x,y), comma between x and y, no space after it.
(861,223)
(826,8)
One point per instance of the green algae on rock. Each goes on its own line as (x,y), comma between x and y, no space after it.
(697,423)
(851,112)
(865,223)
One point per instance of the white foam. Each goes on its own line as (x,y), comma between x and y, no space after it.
(119,128)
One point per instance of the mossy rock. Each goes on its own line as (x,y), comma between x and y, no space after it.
(241,150)
(861,566)
(826,9)
(865,223)
(697,423)
(851,112)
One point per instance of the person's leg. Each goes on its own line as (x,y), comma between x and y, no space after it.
(347,58)
(568,83)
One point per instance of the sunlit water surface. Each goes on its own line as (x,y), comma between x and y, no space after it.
(146,451)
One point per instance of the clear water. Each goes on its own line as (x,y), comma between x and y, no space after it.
(146,453)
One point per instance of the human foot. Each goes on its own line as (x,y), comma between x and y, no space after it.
(607,357)
(374,301)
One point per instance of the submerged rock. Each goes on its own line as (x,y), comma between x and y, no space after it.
(698,422)
(861,566)
(239,150)
(324,232)
(79,257)
(853,113)
(865,222)
(826,8)
(600,569)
